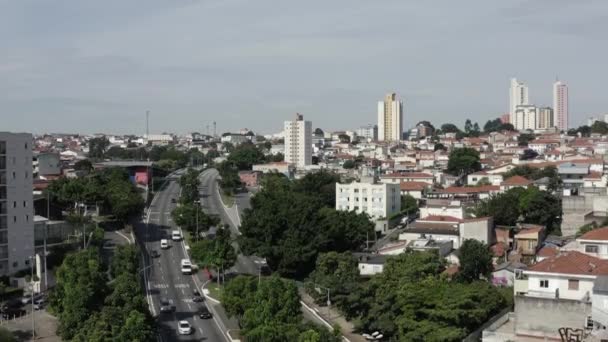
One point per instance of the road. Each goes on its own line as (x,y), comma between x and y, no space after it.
(212,204)
(163,276)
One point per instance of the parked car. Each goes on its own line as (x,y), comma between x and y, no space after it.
(204,313)
(164,244)
(28,298)
(184,328)
(154,253)
(39,304)
(173,200)
(11,304)
(196,296)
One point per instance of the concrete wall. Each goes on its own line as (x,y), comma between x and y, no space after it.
(543,317)
(479,230)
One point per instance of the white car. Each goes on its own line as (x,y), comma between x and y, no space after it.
(186,266)
(164,244)
(176,235)
(184,328)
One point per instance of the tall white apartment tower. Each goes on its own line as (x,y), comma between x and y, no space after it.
(390,119)
(518,96)
(560,105)
(16,202)
(298,141)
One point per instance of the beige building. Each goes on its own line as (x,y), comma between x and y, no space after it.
(298,142)
(390,119)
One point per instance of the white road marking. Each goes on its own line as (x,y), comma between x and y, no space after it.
(182,286)
(189,307)
(160,286)
(201,330)
(183,291)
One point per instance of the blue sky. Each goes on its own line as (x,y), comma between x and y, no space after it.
(97,66)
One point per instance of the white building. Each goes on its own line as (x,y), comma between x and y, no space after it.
(390,119)
(524,117)
(369,132)
(518,96)
(298,142)
(560,105)
(16,202)
(160,139)
(378,200)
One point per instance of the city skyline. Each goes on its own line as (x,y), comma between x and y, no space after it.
(97,67)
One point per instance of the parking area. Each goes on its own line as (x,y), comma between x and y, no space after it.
(21,327)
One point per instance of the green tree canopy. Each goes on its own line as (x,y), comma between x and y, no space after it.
(475,261)
(98,147)
(463,161)
(245,155)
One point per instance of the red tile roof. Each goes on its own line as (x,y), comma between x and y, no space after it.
(498,249)
(572,262)
(547,252)
(516,180)
(413,186)
(593,175)
(599,234)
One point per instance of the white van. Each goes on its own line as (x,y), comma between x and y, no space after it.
(164,244)
(186,266)
(176,235)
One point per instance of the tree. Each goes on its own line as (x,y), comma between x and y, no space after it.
(475,261)
(409,204)
(190,216)
(463,161)
(528,154)
(98,147)
(523,139)
(83,165)
(344,138)
(319,132)
(348,164)
(337,272)
(137,327)
(217,253)
(6,336)
(439,146)
(599,127)
(245,155)
(582,230)
(468,126)
(238,295)
(449,128)
(230,181)
(320,184)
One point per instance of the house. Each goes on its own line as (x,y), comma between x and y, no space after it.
(370,264)
(408,177)
(442,207)
(493,178)
(528,239)
(442,247)
(515,182)
(504,274)
(594,180)
(572,175)
(545,252)
(448,228)
(594,243)
(280,167)
(414,189)
(466,193)
(250,178)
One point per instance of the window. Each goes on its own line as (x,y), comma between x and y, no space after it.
(25,204)
(544,283)
(572,284)
(591,249)
(14,219)
(14,204)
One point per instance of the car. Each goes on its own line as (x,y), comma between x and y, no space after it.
(164,244)
(39,304)
(196,297)
(154,253)
(28,298)
(184,328)
(176,235)
(173,200)
(186,266)
(204,313)
(166,305)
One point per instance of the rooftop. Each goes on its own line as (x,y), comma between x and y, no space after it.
(516,180)
(598,234)
(572,262)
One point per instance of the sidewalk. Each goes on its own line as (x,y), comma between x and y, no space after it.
(334,318)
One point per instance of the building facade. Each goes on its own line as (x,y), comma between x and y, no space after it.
(298,142)
(524,117)
(378,200)
(544,118)
(390,119)
(369,132)
(560,105)
(16,202)
(518,96)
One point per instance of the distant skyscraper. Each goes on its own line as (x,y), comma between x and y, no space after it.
(518,96)
(525,117)
(298,141)
(544,118)
(390,118)
(560,105)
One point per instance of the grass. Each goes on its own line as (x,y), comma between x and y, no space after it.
(215,291)
(227,199)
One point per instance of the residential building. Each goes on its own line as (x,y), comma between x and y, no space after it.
(560,105)
(47,164)
(524,117)
(281,167)
(399,177)
(447,228)
(492,178)
(424,129)
(298,142)
(378,200)
(518,96)
(443,207)
(390,119)
(544,118)
(160,139)
(504,273)
(16,202)
(572,176)
(369,132)
(250,178)
(529,239)
(594,243)
(515,182)
(370,264)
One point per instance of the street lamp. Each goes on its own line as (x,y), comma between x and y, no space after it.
(318,289)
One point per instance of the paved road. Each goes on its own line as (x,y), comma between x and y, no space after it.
(164,278)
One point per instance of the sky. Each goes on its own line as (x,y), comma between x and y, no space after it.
(92,66)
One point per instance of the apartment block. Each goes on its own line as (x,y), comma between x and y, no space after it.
(16,202)
(378,200)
